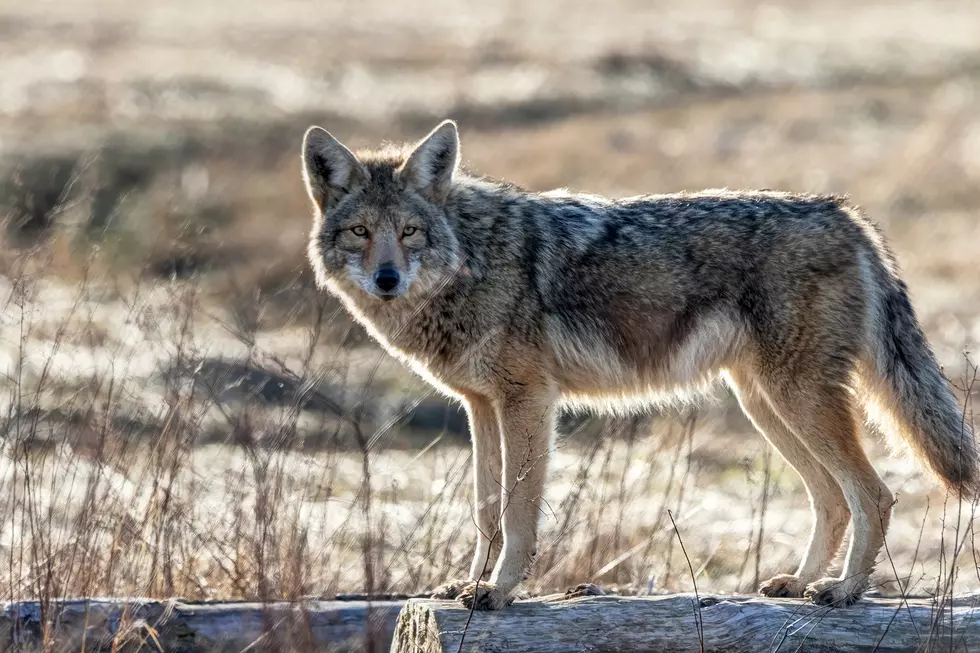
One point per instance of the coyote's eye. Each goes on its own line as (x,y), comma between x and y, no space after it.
(359,231)
(409,231)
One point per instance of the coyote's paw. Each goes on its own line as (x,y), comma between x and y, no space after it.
(783,586)
(585,589)
(449,590)
(834,592)
(484,596)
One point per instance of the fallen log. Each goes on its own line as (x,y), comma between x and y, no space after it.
(94,625)
(680,623)
(550,624)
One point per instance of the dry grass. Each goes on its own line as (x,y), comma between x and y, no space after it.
(185,416)
(154,446)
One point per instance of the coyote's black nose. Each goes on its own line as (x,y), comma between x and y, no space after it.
(386,278)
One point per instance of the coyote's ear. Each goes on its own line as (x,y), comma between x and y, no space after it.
(431,166)
(330,170)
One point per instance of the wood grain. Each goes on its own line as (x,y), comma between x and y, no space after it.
(186,627)
(668,623)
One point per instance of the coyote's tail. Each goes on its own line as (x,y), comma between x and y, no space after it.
(910,393)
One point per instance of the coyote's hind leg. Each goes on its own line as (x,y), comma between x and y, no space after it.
(827,504)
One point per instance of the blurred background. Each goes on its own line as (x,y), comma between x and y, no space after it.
(185,416)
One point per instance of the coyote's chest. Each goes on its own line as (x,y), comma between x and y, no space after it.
(433,346)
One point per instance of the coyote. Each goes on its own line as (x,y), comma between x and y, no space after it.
(516,303)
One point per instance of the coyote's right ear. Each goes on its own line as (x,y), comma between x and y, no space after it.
(330,170)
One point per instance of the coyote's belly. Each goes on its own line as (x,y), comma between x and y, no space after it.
(608,368)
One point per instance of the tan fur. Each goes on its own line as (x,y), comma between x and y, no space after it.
(516,303)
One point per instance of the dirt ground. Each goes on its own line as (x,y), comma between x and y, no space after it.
(185,416)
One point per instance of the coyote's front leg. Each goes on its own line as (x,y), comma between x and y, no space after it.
(526,416)
(485,431)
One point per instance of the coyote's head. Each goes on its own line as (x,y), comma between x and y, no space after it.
(381,229)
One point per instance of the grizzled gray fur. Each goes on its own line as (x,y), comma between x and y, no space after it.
(517,302)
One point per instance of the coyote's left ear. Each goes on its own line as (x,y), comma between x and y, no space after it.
(431,166)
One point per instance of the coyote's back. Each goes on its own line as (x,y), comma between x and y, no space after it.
(515,302)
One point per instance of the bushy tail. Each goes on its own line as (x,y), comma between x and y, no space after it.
(911,395)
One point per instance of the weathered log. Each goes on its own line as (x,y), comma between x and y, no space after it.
(551,624)
(678,623)
(188,627)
